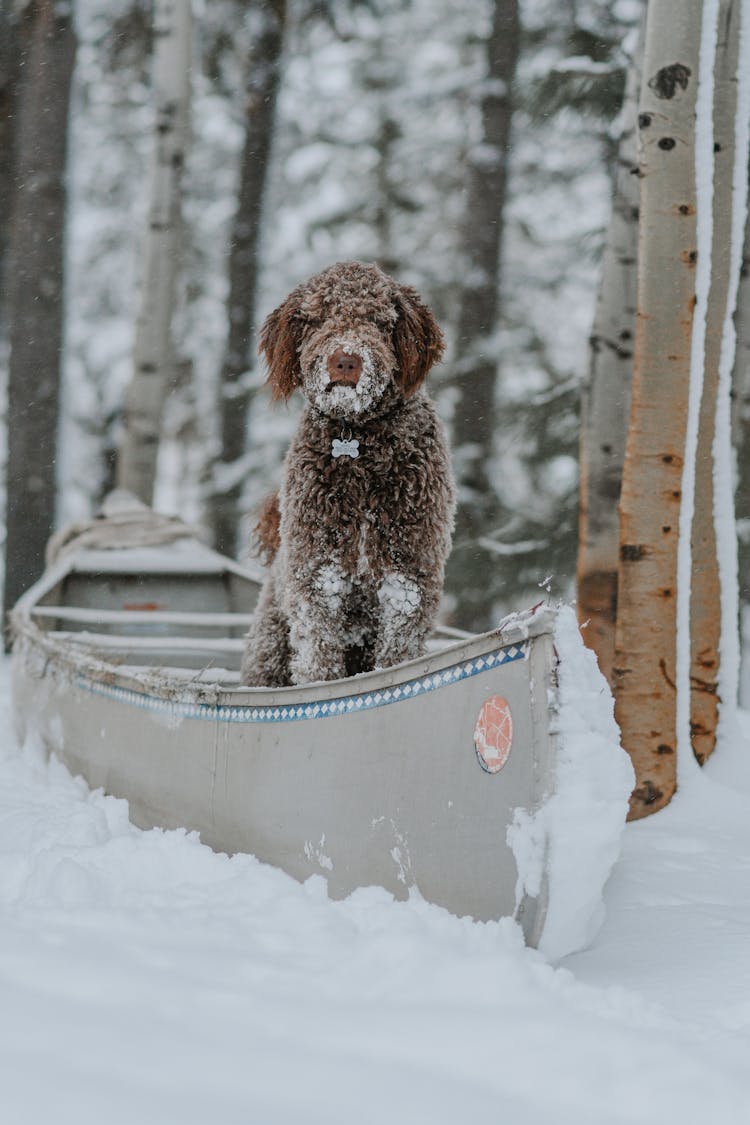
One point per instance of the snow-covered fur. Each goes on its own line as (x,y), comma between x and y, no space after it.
(361,542)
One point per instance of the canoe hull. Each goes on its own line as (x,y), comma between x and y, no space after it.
(389,792)
(374,780)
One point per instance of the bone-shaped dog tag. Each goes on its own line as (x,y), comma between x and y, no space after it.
(347,447)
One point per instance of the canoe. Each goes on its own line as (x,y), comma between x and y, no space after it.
(126,666)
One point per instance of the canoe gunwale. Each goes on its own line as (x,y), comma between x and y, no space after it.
(81,659)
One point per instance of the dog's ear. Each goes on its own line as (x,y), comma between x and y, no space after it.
(279,342)
(417,339)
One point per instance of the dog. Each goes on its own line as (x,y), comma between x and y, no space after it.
(361,527)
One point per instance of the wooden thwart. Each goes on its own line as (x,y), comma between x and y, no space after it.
(142,617)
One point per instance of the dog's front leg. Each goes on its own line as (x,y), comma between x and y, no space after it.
(406,610)
(266,659)
(317,634)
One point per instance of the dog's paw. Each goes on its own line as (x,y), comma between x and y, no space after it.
(399,596)
(332,584)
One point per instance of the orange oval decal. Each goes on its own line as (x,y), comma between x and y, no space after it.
(493,733)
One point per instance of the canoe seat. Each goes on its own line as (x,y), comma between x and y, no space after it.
(129,617)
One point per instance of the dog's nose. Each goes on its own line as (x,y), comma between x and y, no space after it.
(344,367)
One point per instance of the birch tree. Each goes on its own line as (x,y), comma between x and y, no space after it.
(46,44)
(476,360)
(705,600)
(262,83)
(741,424)
(605,403)
(153,353)
(646,633)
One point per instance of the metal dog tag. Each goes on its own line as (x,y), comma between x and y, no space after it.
(347,447)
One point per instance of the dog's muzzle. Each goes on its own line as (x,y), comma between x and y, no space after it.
(344,368)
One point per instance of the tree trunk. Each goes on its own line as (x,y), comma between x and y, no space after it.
(605,404)
(46,45)
(154,359)
(8,76)
(741,424)
(705,590)
(263,75)
(646,633)
(476,351)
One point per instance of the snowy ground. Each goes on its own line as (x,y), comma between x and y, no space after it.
(145,980)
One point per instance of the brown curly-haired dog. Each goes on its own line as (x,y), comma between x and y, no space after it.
(365,509)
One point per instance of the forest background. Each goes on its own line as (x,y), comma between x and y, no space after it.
(468,146)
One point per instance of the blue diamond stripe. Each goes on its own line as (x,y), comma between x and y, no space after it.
(297,712)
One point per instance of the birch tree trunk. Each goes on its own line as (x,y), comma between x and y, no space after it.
(153,358)
(605,404)
(263,76)
(741,370)
(46,44)
(705,590)
(476,355)
(646,632)
(741,423)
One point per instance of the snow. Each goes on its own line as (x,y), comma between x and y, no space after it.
(398,596)
(576,833)
(578,830)
(146,979)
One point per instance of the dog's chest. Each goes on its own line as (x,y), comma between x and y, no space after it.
(362,481)
(356,502)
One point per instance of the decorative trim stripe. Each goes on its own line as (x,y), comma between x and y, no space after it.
(343,705)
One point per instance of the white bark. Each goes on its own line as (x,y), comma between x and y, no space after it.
(741,373)
(705,618)
(711,682)
(646,635)
(725,517)
(741,418)
(605,404)
(741,446)
(153,359)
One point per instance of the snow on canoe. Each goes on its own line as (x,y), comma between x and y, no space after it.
(435,774)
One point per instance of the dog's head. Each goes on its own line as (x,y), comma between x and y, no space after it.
(353,339)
